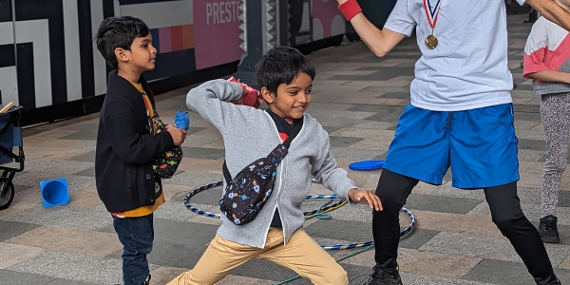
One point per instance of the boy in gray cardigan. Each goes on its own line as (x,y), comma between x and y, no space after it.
(286,79)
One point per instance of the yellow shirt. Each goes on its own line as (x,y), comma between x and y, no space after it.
(144,210)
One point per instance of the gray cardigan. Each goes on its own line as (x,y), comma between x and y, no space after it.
(250,134)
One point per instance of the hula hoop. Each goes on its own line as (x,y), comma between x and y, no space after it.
(315,213)
(309,214)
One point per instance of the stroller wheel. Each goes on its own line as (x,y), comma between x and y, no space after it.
(7,195)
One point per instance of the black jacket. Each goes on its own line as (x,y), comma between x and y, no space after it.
(126,148)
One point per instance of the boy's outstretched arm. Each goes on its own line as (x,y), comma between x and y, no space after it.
(552,11)
(211,101)
(325,170)
(380,42)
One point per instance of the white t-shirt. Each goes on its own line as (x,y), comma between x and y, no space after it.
(468,69)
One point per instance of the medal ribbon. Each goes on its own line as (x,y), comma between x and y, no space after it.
(432,14)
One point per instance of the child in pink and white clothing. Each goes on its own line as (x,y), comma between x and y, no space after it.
(547,62)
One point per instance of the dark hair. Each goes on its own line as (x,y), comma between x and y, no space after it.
(118,32)
(281,65)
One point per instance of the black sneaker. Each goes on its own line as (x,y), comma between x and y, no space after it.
(548,230)
(551,280)
(384,276)
(557,282)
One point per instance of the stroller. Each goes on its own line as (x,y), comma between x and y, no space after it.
(10,137)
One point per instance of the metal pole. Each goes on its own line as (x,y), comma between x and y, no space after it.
(14,32)
(258,34)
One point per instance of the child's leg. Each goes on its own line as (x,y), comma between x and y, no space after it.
(304,256)
(555,113)
(419,151)
(507,214)
(393,190)
(136,235)
(218,260)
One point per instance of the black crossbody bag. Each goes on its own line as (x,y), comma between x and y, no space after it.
(246,193)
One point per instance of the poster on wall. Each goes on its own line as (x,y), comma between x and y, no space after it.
(327,19)
(313,20)
(216,32)
(194,35)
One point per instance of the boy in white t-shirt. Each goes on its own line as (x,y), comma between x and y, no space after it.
(460,116)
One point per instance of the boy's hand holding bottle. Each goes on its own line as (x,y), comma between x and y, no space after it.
(178,135)
(179,131)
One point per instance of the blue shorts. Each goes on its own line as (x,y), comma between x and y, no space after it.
(480,145)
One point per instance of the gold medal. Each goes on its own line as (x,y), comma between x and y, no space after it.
(431,42)
(432,13)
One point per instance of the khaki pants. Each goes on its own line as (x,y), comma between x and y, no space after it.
(301,254)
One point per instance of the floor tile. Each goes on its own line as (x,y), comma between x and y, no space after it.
(435,264)
(72,266)
(89,172)
(82,135)
(67,282)
(344,230)
(396,95)
(532,144)
(88,219)
(20,188)
(423,262)
(82,200)
(456,223)
(417,279)
(331,129)
(200,164)
(507,273)
(95,244)
(181,243)
(363,133)
(88,157)
(13,254)
(441,203)
(10,229)
(53,143)
(177,211)
(526,108)
(417,238)
(343,141)
(522,116)
(486,247)
(385,117)
(18,278)
(263,269)
(165,274)
(201,152)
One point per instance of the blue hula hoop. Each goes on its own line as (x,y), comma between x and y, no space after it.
(315,213)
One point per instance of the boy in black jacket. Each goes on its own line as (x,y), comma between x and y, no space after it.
(129,140)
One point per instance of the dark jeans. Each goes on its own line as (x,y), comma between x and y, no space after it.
(393,190)
(136,235)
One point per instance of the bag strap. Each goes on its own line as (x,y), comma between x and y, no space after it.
(226,172)
(287,142)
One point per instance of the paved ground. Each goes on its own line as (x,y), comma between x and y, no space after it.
(358,99)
